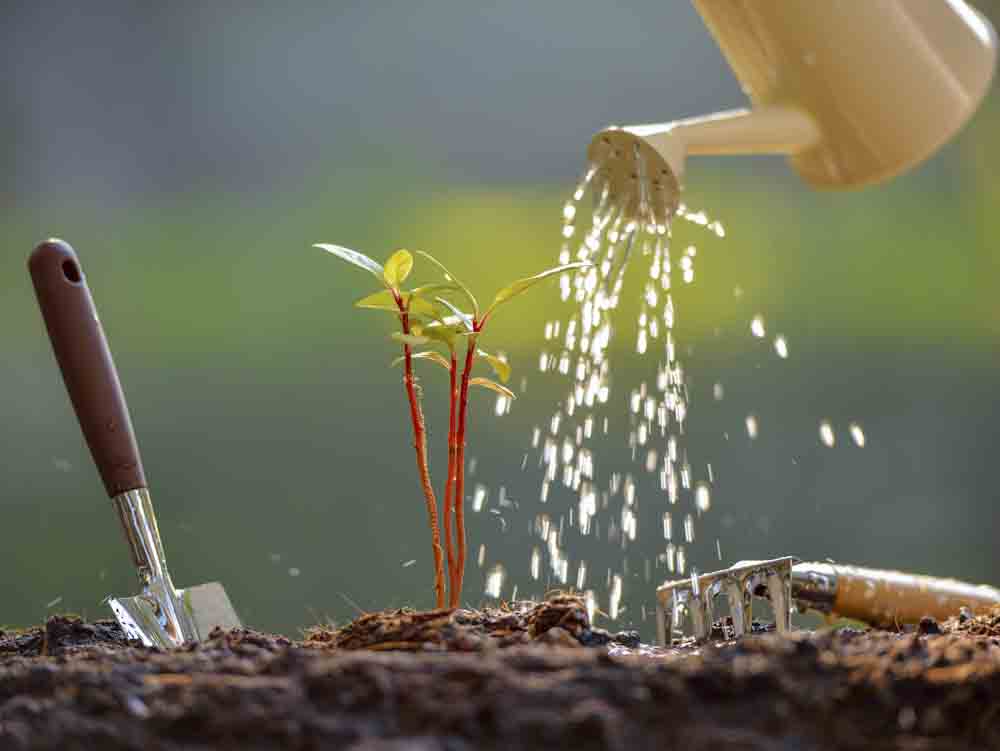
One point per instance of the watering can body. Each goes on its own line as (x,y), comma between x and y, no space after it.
(887,82)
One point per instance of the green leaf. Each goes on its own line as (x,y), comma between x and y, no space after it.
(431,355)
(500,367)
(451,277)
(419,306)
(486,383)
(413,340)
(353,257)
(464,318)
(516,288)
(424,304)
(397,268)
(383,300)
(441,333)
(426,290)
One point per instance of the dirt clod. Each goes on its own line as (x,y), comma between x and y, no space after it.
(928,626)
(986,624)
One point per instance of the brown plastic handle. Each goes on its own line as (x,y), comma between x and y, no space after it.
(88,371)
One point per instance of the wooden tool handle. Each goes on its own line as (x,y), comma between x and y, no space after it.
(83,355)
(893,597)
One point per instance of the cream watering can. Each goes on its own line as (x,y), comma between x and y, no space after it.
(854,93)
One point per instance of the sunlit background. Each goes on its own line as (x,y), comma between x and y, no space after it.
(193,152)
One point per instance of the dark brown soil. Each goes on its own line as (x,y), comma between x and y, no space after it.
(507,679)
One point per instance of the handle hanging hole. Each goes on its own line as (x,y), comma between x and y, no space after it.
(71,271)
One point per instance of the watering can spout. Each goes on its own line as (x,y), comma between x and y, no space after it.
(852,93)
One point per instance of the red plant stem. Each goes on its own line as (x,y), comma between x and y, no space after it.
(459,498)
(449,532)
(420,446)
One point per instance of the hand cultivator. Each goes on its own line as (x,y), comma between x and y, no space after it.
(881,598)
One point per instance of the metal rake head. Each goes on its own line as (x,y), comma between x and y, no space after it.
(739,584)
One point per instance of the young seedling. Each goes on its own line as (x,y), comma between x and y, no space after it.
(426,316)
(472,326)
(405,305)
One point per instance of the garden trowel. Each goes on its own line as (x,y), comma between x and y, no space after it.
(875,596)
(160,615)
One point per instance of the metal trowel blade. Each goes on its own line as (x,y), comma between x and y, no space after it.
(198,609)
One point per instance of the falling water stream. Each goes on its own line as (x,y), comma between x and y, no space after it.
(583,501)
(579,500)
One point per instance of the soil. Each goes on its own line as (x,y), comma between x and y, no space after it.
(525,676)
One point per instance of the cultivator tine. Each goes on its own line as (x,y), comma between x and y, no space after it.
(739,584)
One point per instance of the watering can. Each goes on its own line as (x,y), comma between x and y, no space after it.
(854,93)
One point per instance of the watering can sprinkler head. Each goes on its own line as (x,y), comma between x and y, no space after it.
(852,94)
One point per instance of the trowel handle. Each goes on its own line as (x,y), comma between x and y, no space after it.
(88,371)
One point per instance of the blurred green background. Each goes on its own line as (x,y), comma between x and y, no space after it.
(193,154)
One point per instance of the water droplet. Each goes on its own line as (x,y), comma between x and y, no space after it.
(826,434)
(293,571)
(702,497)
(757,326)
(781,347)
(479,497)
(857,434)
(502,406)
(752,428)
(615,597)
(495,578)
(590,603)
(536,563)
